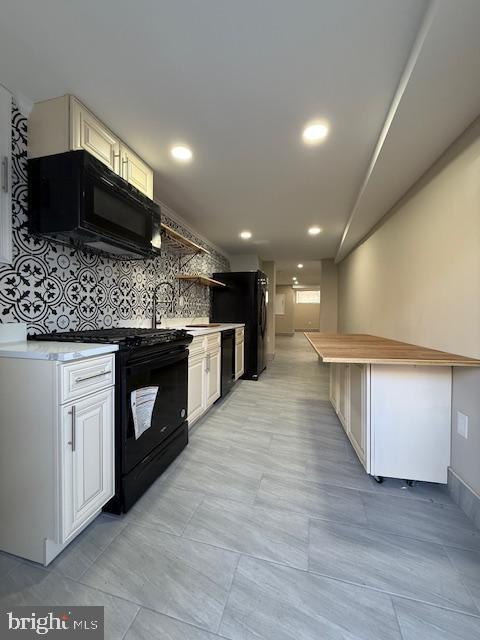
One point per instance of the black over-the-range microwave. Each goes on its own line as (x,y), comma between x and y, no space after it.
(76,199)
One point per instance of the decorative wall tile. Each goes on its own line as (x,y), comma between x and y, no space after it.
(54,287)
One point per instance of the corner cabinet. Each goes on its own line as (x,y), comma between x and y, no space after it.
(397,417)
(56,451)
(65,124)
(5,176)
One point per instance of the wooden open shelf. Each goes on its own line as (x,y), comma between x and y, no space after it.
(180,243)
(201,279)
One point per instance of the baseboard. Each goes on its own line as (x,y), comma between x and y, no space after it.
(286,333)
(462,494)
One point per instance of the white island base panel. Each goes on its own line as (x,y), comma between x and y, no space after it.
(397,417)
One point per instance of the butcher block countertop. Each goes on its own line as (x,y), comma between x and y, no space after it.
(365,349)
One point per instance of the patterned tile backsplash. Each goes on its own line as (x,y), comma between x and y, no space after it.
(54,287)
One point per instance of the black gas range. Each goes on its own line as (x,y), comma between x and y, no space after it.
(152,371)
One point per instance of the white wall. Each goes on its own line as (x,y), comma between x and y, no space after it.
(284,324)
(417,279)
(245,262)
(328,297)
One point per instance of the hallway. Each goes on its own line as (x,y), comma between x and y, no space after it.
(267,527)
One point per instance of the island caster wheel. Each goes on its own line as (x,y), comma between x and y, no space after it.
(410,483)
(378,479)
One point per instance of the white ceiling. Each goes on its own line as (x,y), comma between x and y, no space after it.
(237,81)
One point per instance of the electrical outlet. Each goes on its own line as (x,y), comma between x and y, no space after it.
(462,424)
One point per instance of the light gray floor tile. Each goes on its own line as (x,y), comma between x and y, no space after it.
(221,433)
(84,550)
(258,462)
(29,585)
(187,580)
(165,507)
(468,563)
(343,474)
(265,533)
(215,479)
(149,625)
(420,491)
(421,520)
(272,602)
(322,501)
(419,570)
(7,563)
(423,622)
(325,449)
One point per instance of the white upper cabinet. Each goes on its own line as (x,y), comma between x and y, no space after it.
(136,172)
(64,124)
(5,176)
(87,132)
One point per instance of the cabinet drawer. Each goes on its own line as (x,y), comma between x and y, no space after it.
(197,345)
(78,379)
(213,341)
(239,335)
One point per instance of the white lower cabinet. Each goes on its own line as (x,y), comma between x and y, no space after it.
(5,176)
(205,373)
(197,398)
(239,353)
(56,451)
(397,417)
(87,446)
(213,371)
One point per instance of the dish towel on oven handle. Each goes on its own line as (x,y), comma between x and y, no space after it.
(143,401)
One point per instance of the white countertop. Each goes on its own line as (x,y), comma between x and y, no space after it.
(61,351)
(202,331)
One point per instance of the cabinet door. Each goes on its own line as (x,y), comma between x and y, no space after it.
(333,385)
(357,412)
(87,132)
(239,363)
(136,172)
(196,387)
(213,367)
(343,394)
(88,459)
(5,176)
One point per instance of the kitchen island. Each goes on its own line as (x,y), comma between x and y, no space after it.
(394,402)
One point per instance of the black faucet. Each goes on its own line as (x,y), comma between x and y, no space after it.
(154,301)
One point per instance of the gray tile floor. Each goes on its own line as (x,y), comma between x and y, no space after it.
(267,527)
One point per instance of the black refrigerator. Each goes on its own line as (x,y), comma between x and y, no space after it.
(244,299)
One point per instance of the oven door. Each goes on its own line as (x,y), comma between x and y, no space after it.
(117,214)
(156,390)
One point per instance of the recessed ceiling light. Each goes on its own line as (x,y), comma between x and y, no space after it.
(300,266)
(246,235)
(314,231)
(315,132)
(294,278)
(181,152)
